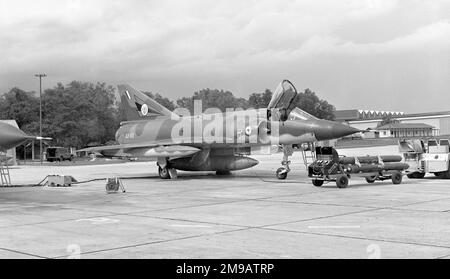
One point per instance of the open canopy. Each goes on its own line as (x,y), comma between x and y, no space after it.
(282,101)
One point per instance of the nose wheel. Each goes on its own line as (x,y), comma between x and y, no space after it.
(283,171)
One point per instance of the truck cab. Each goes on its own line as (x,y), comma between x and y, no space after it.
(434,158)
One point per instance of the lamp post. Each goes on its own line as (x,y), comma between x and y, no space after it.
(40,76)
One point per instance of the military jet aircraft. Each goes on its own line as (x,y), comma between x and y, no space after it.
(214,140)
(11,137)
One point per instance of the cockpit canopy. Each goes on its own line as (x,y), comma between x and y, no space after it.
(282,101)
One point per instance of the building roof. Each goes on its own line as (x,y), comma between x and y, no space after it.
(357,114)
(10,122)
(392,126)
(425,114)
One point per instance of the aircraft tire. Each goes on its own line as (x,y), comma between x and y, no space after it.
(342,181)
(281,173)
(163,173)
(396,178)
(371,179)
(317,182)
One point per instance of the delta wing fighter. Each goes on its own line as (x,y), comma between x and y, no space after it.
(213,140)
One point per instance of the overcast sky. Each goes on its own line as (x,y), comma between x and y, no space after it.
(367,54)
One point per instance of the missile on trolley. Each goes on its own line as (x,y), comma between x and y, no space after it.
(370,159)
(377,168)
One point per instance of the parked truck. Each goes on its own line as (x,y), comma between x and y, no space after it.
(432,157)
(56,153)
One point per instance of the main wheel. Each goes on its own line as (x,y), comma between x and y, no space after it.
(396,177)
(163,173)
(317,182)
(371,179)
(223,172)
(342,181)
(281,173)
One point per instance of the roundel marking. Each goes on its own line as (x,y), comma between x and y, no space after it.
(144,109)
(248,131)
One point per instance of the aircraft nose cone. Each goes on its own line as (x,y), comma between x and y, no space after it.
(10,136)
(334,130)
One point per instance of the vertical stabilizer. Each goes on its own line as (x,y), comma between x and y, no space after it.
(138,106)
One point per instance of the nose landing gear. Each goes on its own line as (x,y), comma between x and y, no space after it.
(283,171)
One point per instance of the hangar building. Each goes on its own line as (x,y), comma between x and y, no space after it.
(405,125)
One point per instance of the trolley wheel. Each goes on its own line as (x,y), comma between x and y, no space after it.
(281,173)
(371,179)
(163,173)
(445,174)
(317,182)
(416,175)
(396,177)
(342,181)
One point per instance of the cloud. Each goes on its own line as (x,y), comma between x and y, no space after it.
(239,45)
(433,37)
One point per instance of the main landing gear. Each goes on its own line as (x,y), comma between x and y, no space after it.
(283,171)
(165,171)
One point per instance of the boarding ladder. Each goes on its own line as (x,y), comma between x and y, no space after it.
(308,153)
(4,173)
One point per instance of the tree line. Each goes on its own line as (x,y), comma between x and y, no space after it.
(81,114)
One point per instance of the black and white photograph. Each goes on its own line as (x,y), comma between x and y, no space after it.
(244,130)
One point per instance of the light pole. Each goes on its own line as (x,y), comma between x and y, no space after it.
(40,76)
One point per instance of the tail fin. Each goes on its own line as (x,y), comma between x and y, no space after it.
(138,106)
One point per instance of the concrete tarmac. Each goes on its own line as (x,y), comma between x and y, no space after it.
(249,214)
